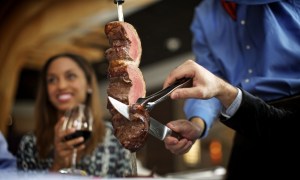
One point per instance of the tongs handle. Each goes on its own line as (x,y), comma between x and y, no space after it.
(164,93)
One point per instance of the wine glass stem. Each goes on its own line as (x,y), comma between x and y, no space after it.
(133,163)
(74,157)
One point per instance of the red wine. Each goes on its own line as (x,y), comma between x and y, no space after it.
(84,133)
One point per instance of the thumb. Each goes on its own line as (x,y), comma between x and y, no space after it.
(177,126)
(173,125)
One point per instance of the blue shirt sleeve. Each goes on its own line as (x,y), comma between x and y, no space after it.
(7,160)
(207,110)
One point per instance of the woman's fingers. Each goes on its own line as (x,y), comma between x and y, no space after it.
(74,142)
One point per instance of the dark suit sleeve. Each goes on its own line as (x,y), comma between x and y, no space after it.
(255,118)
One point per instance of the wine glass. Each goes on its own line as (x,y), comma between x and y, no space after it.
(80,118)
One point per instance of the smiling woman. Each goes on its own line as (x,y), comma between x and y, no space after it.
(66,81)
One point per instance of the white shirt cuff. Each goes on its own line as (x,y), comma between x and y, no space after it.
(234,106)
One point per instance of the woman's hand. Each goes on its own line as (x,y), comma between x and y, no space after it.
(63,149)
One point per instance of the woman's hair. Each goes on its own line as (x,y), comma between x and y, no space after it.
(46,115)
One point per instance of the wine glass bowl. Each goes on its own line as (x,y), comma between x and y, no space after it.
(80,118)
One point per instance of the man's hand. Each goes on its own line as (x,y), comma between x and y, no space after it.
(190,132)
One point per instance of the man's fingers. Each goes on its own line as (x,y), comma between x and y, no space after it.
(170,141)
(184,93)
(178,148)
(186,147)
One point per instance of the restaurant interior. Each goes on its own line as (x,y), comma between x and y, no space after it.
(31,31)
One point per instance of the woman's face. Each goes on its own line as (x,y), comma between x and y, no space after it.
(66,84)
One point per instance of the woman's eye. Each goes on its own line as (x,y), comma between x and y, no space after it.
(71,76)
(51,80)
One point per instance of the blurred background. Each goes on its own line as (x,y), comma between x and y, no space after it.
(33,30)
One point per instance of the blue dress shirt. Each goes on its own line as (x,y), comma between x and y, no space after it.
(259,52)
(7,160)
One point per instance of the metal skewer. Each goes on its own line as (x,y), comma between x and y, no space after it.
(120,9)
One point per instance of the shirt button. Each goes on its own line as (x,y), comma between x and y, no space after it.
(250,71)
(247,80)
(243,22)
(248,47)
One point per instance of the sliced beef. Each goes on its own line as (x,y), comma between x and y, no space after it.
(126,84)
(118,53)
(123,39)
(132,134)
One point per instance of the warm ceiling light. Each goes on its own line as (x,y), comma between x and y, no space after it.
(215,151)
(173,44)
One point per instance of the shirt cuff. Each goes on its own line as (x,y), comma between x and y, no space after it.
(234,106)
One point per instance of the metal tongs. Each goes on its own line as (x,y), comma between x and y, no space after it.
(163,94)
(120,9)
(156,129)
